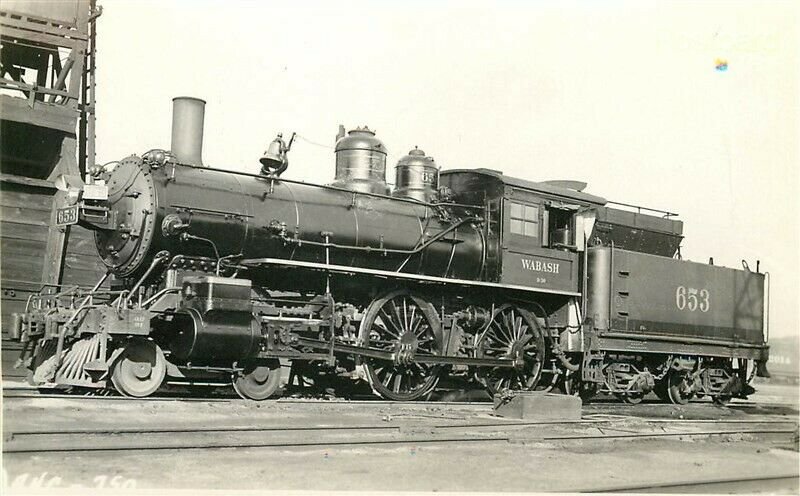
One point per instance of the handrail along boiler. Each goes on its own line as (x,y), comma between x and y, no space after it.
(464,273)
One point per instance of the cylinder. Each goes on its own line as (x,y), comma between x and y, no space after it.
(416,176)
(361,162)
(188,114)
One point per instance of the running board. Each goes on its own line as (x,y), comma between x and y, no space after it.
(344,269)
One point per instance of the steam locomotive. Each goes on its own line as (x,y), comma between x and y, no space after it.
(218,276)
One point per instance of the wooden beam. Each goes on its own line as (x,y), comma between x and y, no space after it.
(62,75)
(42,115)
(60,41)
(68,163)
(41,26)
(15,84)
(56,245)
(53,268)
(27,181)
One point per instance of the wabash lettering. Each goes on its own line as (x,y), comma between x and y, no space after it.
(539,266)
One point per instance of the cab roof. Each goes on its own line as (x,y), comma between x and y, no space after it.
(553,188)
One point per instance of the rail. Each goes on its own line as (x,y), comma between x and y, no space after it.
(756,483)
(84,441)
(639,208)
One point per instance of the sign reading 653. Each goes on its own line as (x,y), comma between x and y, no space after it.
(692,299)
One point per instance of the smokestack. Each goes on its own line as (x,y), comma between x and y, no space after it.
(187,129)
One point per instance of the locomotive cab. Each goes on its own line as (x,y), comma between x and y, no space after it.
(537,229)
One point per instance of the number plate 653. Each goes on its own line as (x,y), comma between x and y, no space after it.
(67,216)
(692,299)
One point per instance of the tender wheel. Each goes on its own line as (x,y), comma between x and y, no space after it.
(407,326)
(722,399)
(661,390)
(679,390)
(574,386)
(515,335)
(140,369)
(258,382)
(633,398)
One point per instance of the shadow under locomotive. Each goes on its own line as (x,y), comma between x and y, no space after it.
(466,274)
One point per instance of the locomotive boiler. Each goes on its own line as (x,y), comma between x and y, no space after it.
(222,276)
(154,206)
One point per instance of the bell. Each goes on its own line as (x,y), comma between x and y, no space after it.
(274,156)
(274,160)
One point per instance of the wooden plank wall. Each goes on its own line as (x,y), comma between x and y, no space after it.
(24,217)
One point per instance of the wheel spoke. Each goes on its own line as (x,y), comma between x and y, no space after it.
(507,325)
(388,322)
(388,377)
(405,314)
(412,320)
(512,324)
(398,381)
(396,313)
(383,327)
(508,329)
(502,334)
(419,325)
(396,318)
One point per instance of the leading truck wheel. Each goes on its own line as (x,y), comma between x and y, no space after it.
(140,369)
(258,382)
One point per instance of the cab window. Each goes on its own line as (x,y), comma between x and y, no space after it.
(560,228)
(524,219)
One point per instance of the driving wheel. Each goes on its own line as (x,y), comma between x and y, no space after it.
(407,326)
(513,334)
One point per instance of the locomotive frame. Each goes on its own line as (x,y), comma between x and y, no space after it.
(475,274)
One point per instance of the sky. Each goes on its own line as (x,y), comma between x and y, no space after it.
(629,97)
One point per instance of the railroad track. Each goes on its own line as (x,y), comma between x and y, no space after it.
(27,393)
(739,485)
(16,396)
(320,436)
(36,395)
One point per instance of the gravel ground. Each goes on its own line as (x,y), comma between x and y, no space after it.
(525,464)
